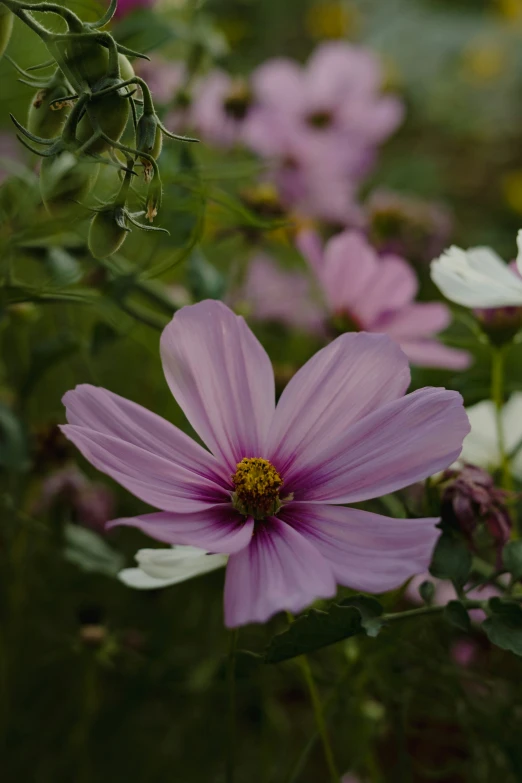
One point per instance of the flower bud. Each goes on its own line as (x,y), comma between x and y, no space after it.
(6,28)
(110,113)
(472,503)
(149,139)
(500,324)
(65,179)
(108,232)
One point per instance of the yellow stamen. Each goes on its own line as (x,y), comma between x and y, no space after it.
(257,486)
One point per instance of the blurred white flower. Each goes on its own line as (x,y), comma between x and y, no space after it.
(478,277)
(481,445)
(165,567)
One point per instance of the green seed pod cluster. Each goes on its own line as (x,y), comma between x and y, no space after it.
(66,179)
(108,231)
(6,28)
(87,60)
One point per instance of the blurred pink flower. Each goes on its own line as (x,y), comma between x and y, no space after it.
(91,502)
(445,592)
(126,6)
(464,651)
(220,105)
(368,292)
(270,293)
(164,77)
(272,488)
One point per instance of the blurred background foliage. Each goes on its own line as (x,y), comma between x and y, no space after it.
(102,684)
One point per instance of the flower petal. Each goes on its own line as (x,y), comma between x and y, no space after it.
(476,278)
(221,377)
(398,444)
(103,411)
(342,383)
(418,319)
(219,529)
(430,353)
(350,267)
(279,570)
(367,551)
(165,567)
(154,479)
(392,288)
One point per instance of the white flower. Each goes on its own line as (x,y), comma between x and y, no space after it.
(481,445)
(164,567)
(478,277)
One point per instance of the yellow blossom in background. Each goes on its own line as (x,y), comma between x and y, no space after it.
(511,9)
(512,190)
(484,62)
(234,30)
(331,19)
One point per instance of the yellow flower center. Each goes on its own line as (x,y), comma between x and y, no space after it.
(257,486)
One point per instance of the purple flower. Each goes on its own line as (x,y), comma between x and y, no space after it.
(365,291)
(445,592)
(219,108)
(273,294)
(125,7)
(270,491)
(91,502)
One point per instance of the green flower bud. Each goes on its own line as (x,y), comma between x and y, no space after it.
(66,179)
(46,120)
(108,232)
(110,113)
(149,139)
(6,28)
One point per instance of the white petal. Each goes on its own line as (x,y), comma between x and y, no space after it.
(480,446)
(476,278)
(519,246)
(164,567)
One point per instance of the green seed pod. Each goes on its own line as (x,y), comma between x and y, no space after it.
(88,60)
(126,69)
(110,113)
(6,28)
(46,120)
(66,179)
(108,232)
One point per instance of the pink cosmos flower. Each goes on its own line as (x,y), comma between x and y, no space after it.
(220,104)
(126,6)
(445,592)
(284,296)
(376,294)
(271,487)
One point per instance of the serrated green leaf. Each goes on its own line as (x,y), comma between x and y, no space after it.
(512,558)
(504,626)
(451,560)
(358,614)
(456,614)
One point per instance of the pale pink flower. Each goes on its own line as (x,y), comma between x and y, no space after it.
(270,293)
(220,104)
(445,592)
(91,502)
(270,491)
(376,293)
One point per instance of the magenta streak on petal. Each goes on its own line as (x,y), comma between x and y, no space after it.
(280,570)
(367,551)
(217,529)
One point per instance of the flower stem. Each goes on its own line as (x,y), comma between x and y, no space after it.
(304,665)
(231,686)
(497,395)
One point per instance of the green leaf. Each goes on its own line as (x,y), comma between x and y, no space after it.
(90,552)
(451,560)
(512,558)
(63,267)
(456,614)
(13,444)
(317,629)
(504,626)
(204,280)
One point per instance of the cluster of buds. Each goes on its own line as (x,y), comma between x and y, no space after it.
(80,116)
(473,504)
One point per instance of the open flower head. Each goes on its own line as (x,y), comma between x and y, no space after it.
(271,489)
(365,291)
(481,445)
(478,277)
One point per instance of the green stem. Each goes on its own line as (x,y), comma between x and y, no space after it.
(231,687)
(497,395)
(306,671)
